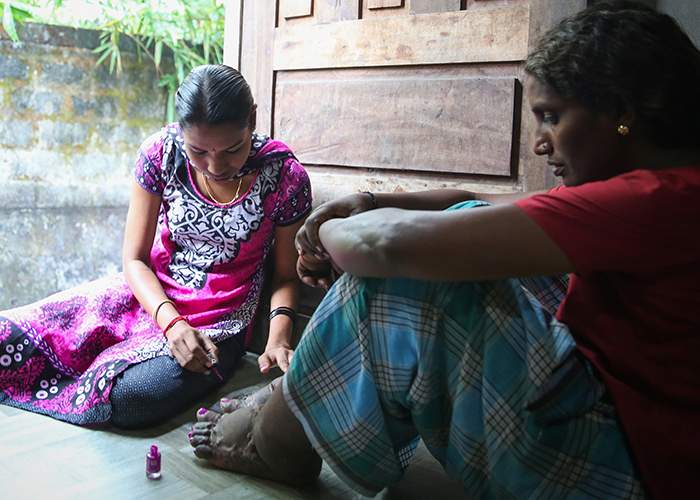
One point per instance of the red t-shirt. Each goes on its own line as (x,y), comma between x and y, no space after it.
(633,306)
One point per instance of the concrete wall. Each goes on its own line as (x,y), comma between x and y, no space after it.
(69,132)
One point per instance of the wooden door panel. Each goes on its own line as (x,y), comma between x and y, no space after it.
(328,11)
(379,10)
(491,4)
(384,4)
(258,18)
(296,8)
(382,120)
(426,6)
(485,36)
(313,75)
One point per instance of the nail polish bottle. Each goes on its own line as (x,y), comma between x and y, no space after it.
(153,463)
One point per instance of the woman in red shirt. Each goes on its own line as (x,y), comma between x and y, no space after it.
(441,328)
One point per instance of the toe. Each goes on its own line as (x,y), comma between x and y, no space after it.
(230,405)
(204,451)
(200,439)
(202,428)
(205,415)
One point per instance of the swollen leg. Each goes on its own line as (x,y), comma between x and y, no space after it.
(254,400)
(282,443)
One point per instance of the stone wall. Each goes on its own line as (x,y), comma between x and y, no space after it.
(69,132)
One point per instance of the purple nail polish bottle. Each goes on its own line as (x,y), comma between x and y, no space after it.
(153,463)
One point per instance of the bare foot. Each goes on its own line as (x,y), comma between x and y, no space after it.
(254,400)
(226,441)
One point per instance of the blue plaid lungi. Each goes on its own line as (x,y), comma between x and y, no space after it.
(481,371)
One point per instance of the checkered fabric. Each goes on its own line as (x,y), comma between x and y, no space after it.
(480,371)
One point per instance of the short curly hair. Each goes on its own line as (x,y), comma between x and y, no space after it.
(622,56)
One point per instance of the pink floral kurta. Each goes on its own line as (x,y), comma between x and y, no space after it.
(59,356)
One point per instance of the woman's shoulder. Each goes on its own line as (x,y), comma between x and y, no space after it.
(655,185)
(268,150)
(265,148)
(160,141)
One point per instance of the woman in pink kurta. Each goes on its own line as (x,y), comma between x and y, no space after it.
(214,214)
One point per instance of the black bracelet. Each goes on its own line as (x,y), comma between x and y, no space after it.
(372,198)
(284,311)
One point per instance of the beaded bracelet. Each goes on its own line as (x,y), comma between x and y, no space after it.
(285,311)
(155,312)
(372,198)
(172,323)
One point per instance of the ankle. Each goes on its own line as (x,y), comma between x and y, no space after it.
(294,462)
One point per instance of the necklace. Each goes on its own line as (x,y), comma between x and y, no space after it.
(208,188)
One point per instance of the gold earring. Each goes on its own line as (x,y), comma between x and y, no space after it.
(623,130)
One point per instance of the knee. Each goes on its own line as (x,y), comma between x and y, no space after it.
(135,406)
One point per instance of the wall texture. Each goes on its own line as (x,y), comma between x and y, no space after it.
(69,132)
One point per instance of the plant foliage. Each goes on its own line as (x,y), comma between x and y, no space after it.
(191,30)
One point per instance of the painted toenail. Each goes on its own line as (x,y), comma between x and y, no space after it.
(202,411)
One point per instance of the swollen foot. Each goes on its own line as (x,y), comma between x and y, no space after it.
(254,400)
(228,442)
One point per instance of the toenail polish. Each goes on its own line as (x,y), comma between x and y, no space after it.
(202,411)
(153,463)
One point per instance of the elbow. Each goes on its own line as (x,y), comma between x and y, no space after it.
(131,264)
(372,252)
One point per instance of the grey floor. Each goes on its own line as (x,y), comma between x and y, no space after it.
(42,458)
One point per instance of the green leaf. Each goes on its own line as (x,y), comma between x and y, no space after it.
(104,56)
(113,61)
(8,22)
(157,53)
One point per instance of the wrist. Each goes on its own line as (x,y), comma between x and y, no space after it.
(369,195)
(171,325)
(283,311)
(277,344)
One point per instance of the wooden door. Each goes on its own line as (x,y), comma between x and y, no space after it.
(395,94)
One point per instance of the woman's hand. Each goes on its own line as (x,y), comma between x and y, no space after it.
(307,240)
(193,350)
(275,355)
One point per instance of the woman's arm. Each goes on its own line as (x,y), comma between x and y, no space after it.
(191,349)
(440,199)
(140,230)
(307,240)
(285,287)
(471,244)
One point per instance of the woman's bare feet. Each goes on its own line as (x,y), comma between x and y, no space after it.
(254,400)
